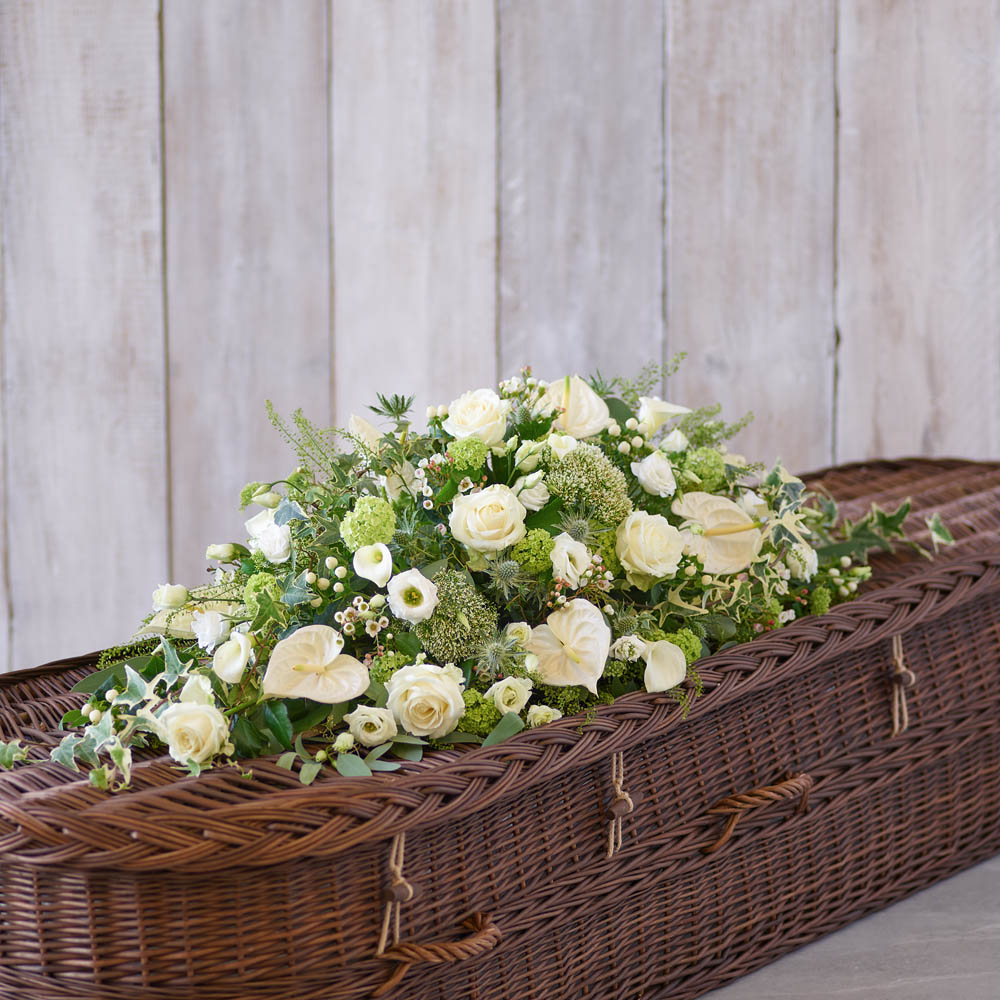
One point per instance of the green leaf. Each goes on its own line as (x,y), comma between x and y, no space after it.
(306,714)
(350,765)
(288,510)
(122,758)
(171,661)
(619,410)
(286,760)
(377,693)
(408,751)
(407,643)
(308,772)
(459,737)
(386,765)
(547,518)
(891,525)
(73,719)
(65,753)
(407,738)
(11,753)
(379,751)
(249,742)
(297,592)
(300,748)
(276,717)
(431,570)
(510,724)
(940,535)
(99,777)
(99,679)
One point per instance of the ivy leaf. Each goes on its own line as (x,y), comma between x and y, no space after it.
(276,717)
(288,510)
(11,753)
(172,665)
(508,725)
(350,765)
(940,535)
(65,753)
(122,758)
(99,777)
(297,592)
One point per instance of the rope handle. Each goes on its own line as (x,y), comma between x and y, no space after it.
(793,786)
(902,678)
(484,936)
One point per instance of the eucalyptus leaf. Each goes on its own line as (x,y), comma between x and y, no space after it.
(308,772)
(351,766)
(286,760)
(508,725)
(376,752)
(386,765)
(94,682)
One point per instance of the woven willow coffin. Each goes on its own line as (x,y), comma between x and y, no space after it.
(830,768)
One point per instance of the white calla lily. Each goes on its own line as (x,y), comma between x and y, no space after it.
(666,666)
(374,562)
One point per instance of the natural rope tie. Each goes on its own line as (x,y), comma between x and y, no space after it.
(398,893)
(621,804)
(902,678)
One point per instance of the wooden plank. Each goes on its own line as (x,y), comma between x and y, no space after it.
(82,321)
(918,295)
(414,196)
(248,267)
(750,218)
(581,200)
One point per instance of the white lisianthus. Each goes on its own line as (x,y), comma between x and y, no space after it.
(266,498)
(223,552)
(802,560)
(480,414)
(193,731)
(309,664)
(649,548)
(412,596)
(753,505)
(562,444)
(666,666)
(569,559)
(572,646)
(371,726)
(655,474)
(675,441)
(210,628)
(720,534)
(374,562)
(273,540)
(628,647)
(489,520)
(425,699)
(231,658)
(527,457)
(655,412)
(510,694)
(365,432)
(584,413)
(169,597)
(531,490)
(520,632)
(538,715)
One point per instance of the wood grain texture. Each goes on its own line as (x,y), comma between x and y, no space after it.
(919,228)
(581,201)
(248,266)
(414,195)
(750,180)
(82,321)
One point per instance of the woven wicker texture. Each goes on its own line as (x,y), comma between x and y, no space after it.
(780,809)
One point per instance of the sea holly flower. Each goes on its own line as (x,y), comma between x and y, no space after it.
(310,664)
(412,596)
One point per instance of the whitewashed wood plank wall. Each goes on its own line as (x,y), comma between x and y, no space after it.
(207,202)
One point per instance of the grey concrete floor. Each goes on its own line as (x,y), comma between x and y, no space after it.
(941,944)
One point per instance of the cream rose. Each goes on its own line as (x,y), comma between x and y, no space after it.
(231,658)
(655,412)
(520,632)
(538,715)
(371,726)
(309,664)
(480,414)
(569,559)
(562,444)
(193,731)
(655,475)
(666,666)
(273,540)
(223,552)
(572,646)
(488,521)
(720,534)
(425,699)
(649,548)
(510,694)
(584,413)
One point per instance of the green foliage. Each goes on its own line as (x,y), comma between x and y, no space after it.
(384,666)
(703,428)
(707,464)
(820,600)
(11,754)
(647,383)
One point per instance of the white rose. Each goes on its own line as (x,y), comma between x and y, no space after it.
(520,632)
(371,726)
(569,559)
(412,596)
(666,666)
(656,474)
(374,562)
(223,552)
(721,535)
(628,647)
(309,664)
(531,491)
(649,548)
(538,715)
(584,413)
(169,597)
(455,673)
(675,441)
(210,628)
(802,560)
(273,540)
(572,646)
(230,659)
(480,414)
(489,520)
(562,444)
(425,699)
(510,694)
(193,731)
(655,412)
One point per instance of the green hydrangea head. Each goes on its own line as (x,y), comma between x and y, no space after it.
(533,551)
(481,715)
(688,642)
(258,584)
(588,479)
(462,623)
(371,521)
(709,466)
(468,454)
(384,666)
(820,600)
(606,542)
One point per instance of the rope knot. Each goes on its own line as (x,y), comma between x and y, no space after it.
(399,892)
(902,679)
(621,804)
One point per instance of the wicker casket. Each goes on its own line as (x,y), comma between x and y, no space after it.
(829,769)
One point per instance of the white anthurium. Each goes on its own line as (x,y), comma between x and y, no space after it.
(569,559)
(666,666)
(374,562)
(655,412)
(531,490)
(583,413)
(309,664)
(572,646)
(412,596)
(724,537)
(655,474)
(365,432)
(230,659)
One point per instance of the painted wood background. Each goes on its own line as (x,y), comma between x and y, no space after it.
(204,203)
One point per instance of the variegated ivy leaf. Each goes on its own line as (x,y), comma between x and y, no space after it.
(65,753)
(11,753)
(940,535)
(122,758)
(101,733)
(171,661)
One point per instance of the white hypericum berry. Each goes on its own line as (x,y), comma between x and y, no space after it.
(614,430)
(323,583)
(631,424)
(845,561)
(624,447)
(316,602)
(111,695)
(637,441)
(340,572)
(338,587)
(331,562)
(843,591)
(706,580)
(95,715)
(310,577)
